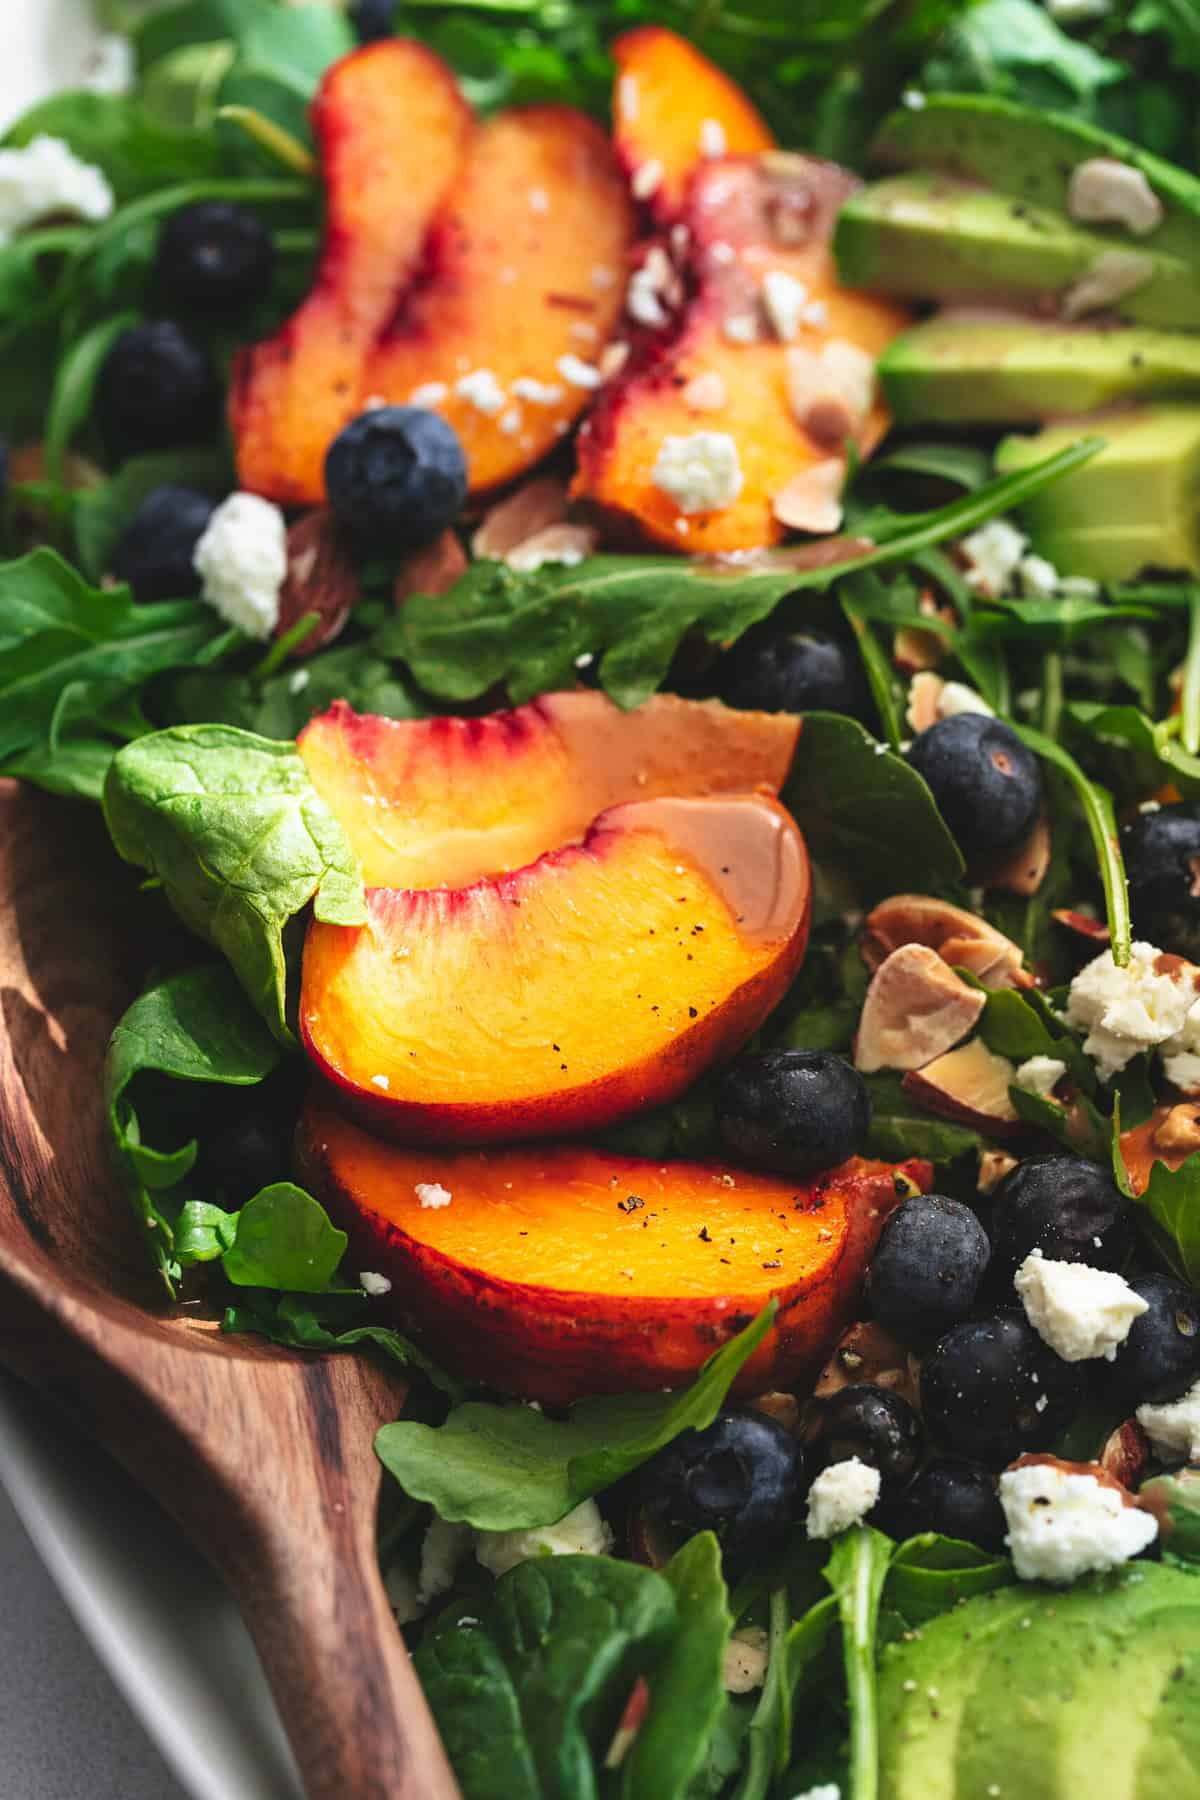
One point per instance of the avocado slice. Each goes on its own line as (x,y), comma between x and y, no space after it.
(1043,1694)
(1012,369)
(1030,155)
(930,236)
(1135,505)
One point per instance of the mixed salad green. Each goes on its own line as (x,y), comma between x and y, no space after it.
(595,1605)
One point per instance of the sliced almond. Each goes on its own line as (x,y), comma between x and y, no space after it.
(916,1009)
(1082,924)
(554,544)
(867,1353)
(1125,1454)
(433,570)
(960,937)
(811,500)
(528,509)
(913,652)
(994,1165)
(969,1084)
(320,579)
(924,693)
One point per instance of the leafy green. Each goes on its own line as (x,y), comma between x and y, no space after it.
(99,514)
(1097,808)
(138,154)
(794,1648)
(687,1692)
(526,1696)
(233,828)
(501,1468)
(280,705)
(1171,1198)
(1021,1025)
(929,1574)
(284,1240)
(856,1571)
(330,1321)
(900,1128)
(75,767)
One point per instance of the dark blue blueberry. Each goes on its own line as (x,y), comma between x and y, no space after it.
(214,257)
(156,388)
(796,1111)
(991,1388)
(806,670)
(1162,861)
(877,1426)
(987,785)
(1068,1208)
(957,1499)
(373,19)
(932,1256)
(742,1478)
(1160,1358)
(396,477)
(154,552)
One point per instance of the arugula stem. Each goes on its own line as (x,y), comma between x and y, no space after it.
(1097,806)
(1052,692)
(284,646)
(1190,696)
(859,1606)
(272,138)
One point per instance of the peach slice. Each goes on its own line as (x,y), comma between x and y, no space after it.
(755,226)
(601,979)
(525,281)
(442,802)
(392,130)
(672,109)
(560,1271)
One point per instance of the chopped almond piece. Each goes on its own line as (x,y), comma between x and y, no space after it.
(916,1009)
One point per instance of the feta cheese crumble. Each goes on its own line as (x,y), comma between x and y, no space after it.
(538,393)
(242,561)
(112,67)
(584,1532)
(481,390)
(1103,191)
(837,380)
(1081,1312)
(1037,577)
(828,1790)
(430,393)
(1174,1427)
(994,553)
(1040,1075)
(700,472)
(1126,1011)
(784,301)
(442,1550)
(1113,275)
(1061,1525)
(44,178)
(841,1496)
(432,1195)
(374,1285)
(579,373)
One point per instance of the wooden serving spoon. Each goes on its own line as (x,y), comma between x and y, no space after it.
(264,1456)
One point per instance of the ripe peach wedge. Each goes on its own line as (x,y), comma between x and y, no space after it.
(392,130)
(672,108)
(441,802)
(603,978)
(562,1271)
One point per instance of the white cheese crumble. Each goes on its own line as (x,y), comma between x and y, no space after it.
(994,553)
(242,561)
(374,1285)
(584,1532)
(1037,577)
(581,374)
(1103,191)
(538,393)
(746,1656)
(1174,1427)
(713,141)
(643,298)
(647,179)
(111,67)
(1081,1312)
(1126,1011)
(47,177)
(1040,1075)
(700,472)
(957,697)
(839,374)
(481,390)
(442,1549)
(430,393)
(828,1790)
(432,1195)
(841,1495)
(784,301)
(1061,1525)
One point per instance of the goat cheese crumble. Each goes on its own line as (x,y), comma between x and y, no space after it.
(841,1496)
(1081,1312)
(242,561)
(584,1532)
(46,177)
(1174,1427)
(699,471)
(374,1285)
(1126,1011)
(481,390)
(994,553)
(1040,1075)
(432,1195)
(442,1550)
(1062,1524)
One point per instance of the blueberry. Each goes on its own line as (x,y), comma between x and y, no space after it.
(1162,861)
(987,785)
(932,1256)
(1068,1208)
(156,388)
(957,1499)
(396,477)
(877,1426)
(1160,1358)
(373,19)
(214,257)
(154,552)
(796,1111)
(991,1389)
(797,671)
(743,1478)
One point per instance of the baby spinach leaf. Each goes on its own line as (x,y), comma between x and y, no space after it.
(203,1232)
(1020,1025)
(687,1690)
(504,1467)
(329,1321)
(75,767)
(929,1574)
(525,1698)
(284,1240)
(233,828)
(1172,1200)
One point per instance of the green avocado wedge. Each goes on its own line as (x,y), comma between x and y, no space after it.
(991,368)
(1039,1693)
(1134,506)
(927,236)
(1030,155)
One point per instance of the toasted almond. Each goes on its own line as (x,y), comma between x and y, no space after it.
(553,544)
(1126,1452)
(320,579)
(916,1009)
(959,937)
(867,1353)
(811,500)
(969,1084)
(994,1165)
(433,570)
(925,690)
(914,652)
(528,509)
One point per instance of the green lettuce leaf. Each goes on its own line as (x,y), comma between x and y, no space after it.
(687,1690)
(284,1239)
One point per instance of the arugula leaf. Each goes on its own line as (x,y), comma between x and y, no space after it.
(929,1574)
(1171,1197)
(138,153)
(503,1468)
(1015,49)
(280,705)
(687,1690)
(326,1322)
(284,1240)
(795,1648)
(523,1698)
(1021,1025)
(856,1571)
(1096,805)
(74,384)
(899,1128)
(233,828)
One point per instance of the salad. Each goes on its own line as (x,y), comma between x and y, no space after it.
(631,579)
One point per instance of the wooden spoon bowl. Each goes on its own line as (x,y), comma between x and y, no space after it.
(264,1456)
